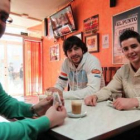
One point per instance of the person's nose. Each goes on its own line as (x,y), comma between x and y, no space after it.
(130,50)
(73,52)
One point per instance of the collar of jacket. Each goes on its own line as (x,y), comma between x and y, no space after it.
(137,73)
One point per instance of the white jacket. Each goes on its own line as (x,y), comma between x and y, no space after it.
(83,80)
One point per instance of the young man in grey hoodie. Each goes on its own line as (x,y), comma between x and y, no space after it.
(80,70)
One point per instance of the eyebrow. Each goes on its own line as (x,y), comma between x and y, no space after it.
(134,44)
(130,45)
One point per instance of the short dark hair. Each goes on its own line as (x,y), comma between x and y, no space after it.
(71,41)
(129,34)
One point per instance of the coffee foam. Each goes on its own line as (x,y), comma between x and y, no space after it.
(76,102)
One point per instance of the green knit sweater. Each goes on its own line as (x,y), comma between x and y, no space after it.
(26,129)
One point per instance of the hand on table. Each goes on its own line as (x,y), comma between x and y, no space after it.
(56,115)
(91,100)
(125,103)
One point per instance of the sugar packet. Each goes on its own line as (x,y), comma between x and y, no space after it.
(56,98)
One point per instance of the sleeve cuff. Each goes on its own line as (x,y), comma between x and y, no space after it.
(138,98)
(43,123)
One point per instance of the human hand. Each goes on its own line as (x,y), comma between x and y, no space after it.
(125,103)
(56,114)
(90,100)
(41,107)
(53,89)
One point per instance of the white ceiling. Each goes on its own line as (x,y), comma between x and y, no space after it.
(36,10)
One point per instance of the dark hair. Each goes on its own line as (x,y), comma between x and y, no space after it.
(71,41)
(129,34)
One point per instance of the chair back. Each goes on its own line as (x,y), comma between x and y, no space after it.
(108,73)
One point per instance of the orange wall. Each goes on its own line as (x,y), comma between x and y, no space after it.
(84,9)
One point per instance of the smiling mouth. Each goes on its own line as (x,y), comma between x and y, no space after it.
(132,57)
(75,57)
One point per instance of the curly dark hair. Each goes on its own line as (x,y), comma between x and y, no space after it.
(71,41)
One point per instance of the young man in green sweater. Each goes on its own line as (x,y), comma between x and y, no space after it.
(26,129)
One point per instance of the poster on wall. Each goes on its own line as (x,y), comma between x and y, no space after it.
(54,52)
(127,20)
(91,24)
(92,43)
(105,41)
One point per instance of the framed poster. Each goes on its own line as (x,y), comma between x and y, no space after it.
(127,20)
(105,41)
(91,24)
(92,43)
(54,52)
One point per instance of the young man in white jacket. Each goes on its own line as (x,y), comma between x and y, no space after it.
(127,78)
(80,70)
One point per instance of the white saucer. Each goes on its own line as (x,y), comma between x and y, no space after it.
(71,115)
(110,103)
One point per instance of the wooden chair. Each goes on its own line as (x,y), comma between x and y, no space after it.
(108,73)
